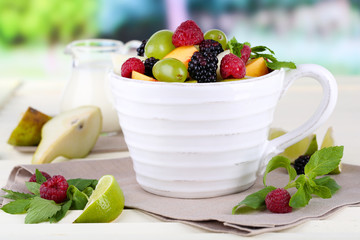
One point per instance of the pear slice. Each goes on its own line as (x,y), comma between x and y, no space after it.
(28,130)
(71,134)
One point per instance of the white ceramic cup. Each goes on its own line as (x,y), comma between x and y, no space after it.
(197,140)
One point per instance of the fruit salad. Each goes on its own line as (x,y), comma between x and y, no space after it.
(189,55)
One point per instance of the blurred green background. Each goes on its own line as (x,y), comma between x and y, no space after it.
(34,33)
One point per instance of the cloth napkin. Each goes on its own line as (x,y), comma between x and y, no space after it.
(213,214)
(113,143)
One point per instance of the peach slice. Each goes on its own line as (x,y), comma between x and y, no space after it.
(182,53)
(256,67)
(140,76)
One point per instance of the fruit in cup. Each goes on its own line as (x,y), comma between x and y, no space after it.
(187,33)
(139,76)
(182,53)
(170,70)
(202,54)
(218,36)
(28,130)
(256,67)
(159,44)
(71,134)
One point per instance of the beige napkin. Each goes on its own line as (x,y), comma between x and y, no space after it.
(103,144)
(213,214)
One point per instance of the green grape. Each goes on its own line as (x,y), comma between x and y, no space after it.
(159,44)
(216,35)
(170,70)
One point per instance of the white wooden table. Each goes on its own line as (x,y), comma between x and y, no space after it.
(295,107)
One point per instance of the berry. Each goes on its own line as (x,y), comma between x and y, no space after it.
(245,53)
(202,67)
(149,64)
(132,64)
(141,49)
(277,201)
(54,189)
(232,67)
(300,162)
(33,177)
(212,46)
(188,33)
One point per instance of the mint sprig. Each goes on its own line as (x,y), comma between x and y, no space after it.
(312,182)
(259,51)
(41,210)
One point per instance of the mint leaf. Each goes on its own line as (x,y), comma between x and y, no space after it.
(261,49)
(280,162)
(329,183)
(39,177)
(81,184)
(33,187)
(302,196)
(88,191)
(277,65)
(41,210)
(313,147)
(321,191)
(17,207)
(255,200)
(235,47)
(16,195)
(61,214)
(323,161)
(265,56)
(79,199)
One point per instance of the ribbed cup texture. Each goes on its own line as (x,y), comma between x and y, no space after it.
(193,140)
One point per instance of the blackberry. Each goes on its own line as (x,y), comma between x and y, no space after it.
(202,67)
(149,64)
(211,46)
(300,163)
(141,49)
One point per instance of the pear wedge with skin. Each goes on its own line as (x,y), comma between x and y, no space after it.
(28,130)
(71,134)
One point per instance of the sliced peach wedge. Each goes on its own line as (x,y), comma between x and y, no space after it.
(256,67)
(182,53)
(140,76)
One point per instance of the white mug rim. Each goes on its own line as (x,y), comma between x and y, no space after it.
(183,84)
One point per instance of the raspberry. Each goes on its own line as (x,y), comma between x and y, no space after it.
(202,67)
(54,189)
(33,177)
(277,201)
(188,33)
(300,162)
(232,67)
(141,49)
(209,45)
(132,64)
(149,64)
(245,53)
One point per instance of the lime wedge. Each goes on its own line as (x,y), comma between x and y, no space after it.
(329,141)
(105,204)
(295,150)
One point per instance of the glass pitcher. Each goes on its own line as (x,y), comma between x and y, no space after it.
(88,84)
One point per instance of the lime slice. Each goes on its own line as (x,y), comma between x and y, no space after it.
(329,141)
(295,150)
(105,203)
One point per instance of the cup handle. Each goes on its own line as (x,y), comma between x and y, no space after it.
(323,112)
